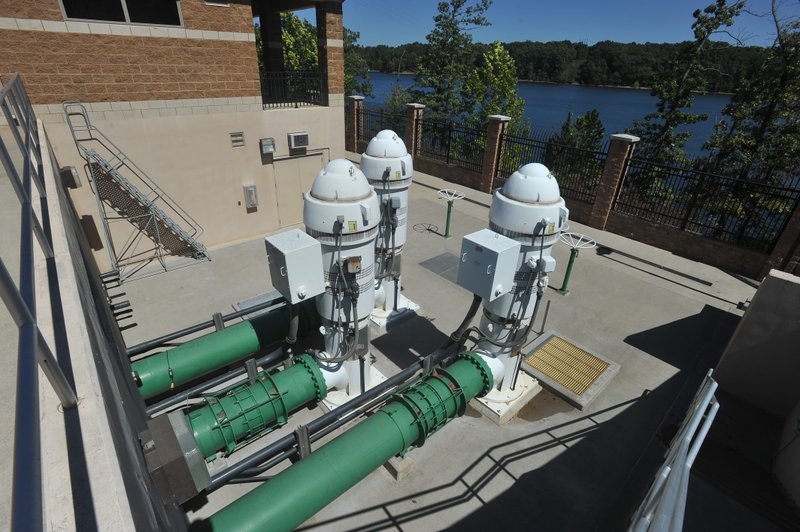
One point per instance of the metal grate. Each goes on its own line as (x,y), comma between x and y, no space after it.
(237,139)
(567,364)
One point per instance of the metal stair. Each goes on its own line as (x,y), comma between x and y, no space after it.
(125,193)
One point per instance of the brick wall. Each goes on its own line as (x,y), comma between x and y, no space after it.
(696,247)
(95,67)
(237,16)
(36,9)
(99,68)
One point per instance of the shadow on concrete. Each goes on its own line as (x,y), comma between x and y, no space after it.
(548,498)
(607,460)
(685,342)
(606,252)
(80,482)
(406,342)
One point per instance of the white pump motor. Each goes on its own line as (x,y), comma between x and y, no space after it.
(342,212)
(530,210)
(389,169)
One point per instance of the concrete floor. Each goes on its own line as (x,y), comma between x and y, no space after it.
(663,318)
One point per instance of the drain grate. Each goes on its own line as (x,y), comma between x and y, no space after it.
(569,370)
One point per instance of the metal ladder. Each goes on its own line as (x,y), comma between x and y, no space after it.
(123,191)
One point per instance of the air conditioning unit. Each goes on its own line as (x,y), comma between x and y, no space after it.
(298,140)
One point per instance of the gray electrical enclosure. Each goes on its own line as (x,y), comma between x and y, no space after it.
(295,265)
(488,263)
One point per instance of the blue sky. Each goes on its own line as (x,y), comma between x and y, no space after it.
(395,22)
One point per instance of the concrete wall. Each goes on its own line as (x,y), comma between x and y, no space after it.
(191,158)
(761,364)
(787,463)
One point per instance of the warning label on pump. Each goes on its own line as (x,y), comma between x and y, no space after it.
(352,226)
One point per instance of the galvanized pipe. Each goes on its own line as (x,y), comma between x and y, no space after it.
(407,419)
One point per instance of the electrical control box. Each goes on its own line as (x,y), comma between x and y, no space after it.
(488,263)
(295,265)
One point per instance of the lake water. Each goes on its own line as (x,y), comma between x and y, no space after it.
(546,105)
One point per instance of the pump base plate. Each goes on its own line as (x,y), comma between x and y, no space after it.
(337,398)
(405,309)
(501,407)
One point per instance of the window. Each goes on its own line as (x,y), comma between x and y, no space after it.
(166,12)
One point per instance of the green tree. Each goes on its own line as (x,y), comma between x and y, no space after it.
(585,132)
(661,142)
(491,89)
(259,50)
(759,143)
(356,78)
(761,138)
(299,43)
(577,169)
(448,57)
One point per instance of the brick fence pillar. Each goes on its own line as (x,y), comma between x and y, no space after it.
(620,150)
(414,112)
(496,126)
(786,253)
(330,51)
(354,120)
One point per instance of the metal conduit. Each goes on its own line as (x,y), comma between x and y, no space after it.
(272,304)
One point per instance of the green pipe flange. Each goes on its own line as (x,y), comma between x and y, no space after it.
(316,375)
(486,372)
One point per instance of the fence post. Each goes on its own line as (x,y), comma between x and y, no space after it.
(354,116)
(496,126)
(619,151)
(786,253)
(414,112)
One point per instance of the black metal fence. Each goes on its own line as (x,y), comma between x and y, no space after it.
(452,144)
(292,89)
(578,170)
(373,121)
(746,213)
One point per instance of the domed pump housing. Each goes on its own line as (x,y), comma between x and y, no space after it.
(389,169)
(342,212)
(529,209)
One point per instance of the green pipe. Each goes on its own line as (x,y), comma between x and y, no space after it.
(565,285)
(447,222)
(164,371)
(249,410)
(408,418)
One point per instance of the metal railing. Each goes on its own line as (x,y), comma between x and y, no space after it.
(23,163)
(578,170)
(746,213)
(452,144)
(292,89)
(664,506)
(372,121)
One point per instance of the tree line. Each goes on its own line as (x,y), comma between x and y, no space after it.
(606,63)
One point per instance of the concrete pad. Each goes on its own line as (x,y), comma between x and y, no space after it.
(501,407)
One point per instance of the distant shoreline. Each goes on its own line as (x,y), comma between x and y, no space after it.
(556,83)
